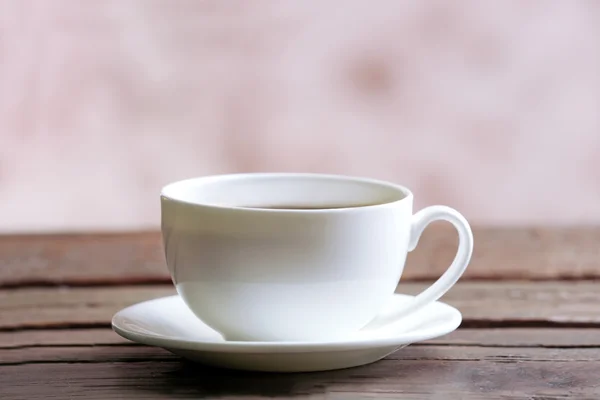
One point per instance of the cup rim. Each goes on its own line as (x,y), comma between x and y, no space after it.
(406,194)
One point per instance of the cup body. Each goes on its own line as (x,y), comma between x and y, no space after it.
(266,274)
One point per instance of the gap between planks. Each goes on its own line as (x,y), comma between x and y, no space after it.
(153,281)
(495,337)
(479,324)
(112,354)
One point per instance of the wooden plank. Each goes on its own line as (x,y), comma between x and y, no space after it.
(82,259)
(500,253)
(99,354)
(60,337)
(93,354)
(494,337)
(558,302)
(70,307)
(415,372)
(483,304)
(516,253)
(522,337)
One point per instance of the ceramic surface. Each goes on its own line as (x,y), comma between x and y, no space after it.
(261,274)
(168,323)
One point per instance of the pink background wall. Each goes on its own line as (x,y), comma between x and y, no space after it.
(492,107)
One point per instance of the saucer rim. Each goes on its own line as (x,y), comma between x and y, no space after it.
(403,338)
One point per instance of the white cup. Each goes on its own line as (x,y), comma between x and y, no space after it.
(315,272)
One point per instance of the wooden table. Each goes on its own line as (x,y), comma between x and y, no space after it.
(531,330)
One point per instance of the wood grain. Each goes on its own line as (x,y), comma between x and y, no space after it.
(417,372)
(483,304)
(500,253)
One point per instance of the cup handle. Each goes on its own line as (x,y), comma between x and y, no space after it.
(420,221)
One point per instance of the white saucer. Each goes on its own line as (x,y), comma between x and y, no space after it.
(168,323)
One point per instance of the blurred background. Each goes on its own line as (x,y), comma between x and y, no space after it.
(491,107)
